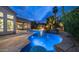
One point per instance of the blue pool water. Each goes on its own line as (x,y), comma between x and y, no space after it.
(47,40)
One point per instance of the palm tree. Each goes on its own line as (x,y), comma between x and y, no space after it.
(50,22)
(55,10)
(56,24)
(63,12)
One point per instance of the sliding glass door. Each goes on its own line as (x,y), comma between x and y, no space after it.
(1,25)
(10,22)
(1,22)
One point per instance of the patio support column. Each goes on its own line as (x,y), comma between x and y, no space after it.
(5,22)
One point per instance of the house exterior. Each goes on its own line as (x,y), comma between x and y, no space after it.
(7,21)
(22,25)
(10,23)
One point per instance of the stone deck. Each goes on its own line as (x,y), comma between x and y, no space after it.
(68,44)
(13,43)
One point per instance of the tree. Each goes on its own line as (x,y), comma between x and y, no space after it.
(63,12)
(55,10)
(50,22)
(71,22)
(33,25)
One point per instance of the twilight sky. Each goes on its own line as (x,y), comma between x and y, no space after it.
(38,13)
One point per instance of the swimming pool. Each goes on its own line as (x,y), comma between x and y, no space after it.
(46,40)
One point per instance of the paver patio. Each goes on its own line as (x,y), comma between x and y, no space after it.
(68,44)
(13,43)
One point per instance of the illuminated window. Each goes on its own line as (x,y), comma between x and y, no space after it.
(29,25)
(1,25)
(10,25)
(10,16)
(25,26)
(1,14)
(19,25)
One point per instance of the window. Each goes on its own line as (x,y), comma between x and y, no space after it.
(25,25)
(29,25)
(1,22)
(1,14)
(1,25)
(20,26)
(10,16)
(10,25)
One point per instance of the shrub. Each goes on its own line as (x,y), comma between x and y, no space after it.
(71,23)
